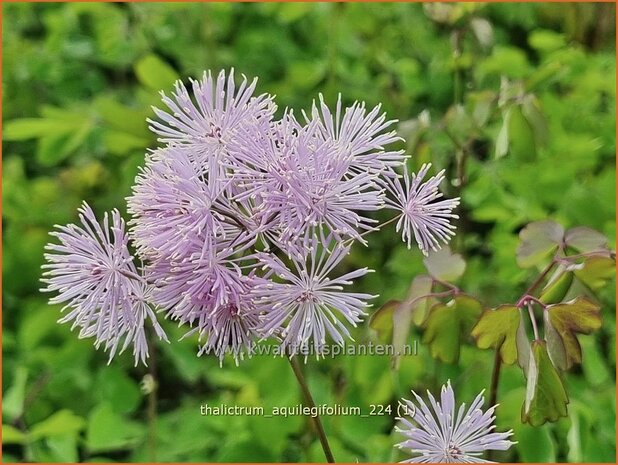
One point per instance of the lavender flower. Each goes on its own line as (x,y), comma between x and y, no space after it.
(215,211)
(422,217)
(308,305)
(360,135)
(210,117)
(231,329)
(94,274)
(307,184)
(442,435)
(174,208)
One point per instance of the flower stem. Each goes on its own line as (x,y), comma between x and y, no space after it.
(311,403)
(495,379)
(493,389)
(152,401)
(540,278)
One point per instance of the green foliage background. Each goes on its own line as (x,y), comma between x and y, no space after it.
(78,83)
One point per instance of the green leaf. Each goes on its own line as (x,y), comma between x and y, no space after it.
(11,435)
(562,324)
(448,325)
(306,74)
(534,116)
(546,398)
(122,118)
(482,105)
(546,40)
(498,329)
(64,448)
(291,12)
(116,388)
(596,370)
(535,445)
(502,141)
(381,321)
(522,144)
(235,450)
(31,128)
(154,73)
(53,149)
(62,422)
(110,431)
(445,265)
(459,124)
(392,321)
(557,286)
(13,399)
(538,241)
(596,272)
(121,143)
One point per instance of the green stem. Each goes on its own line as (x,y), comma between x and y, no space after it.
(311,403)
(458,78)
(495,379)
(540,278)
(493,389)
(152,401)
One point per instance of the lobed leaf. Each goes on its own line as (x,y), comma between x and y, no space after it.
(562,324)
(447,324)
(498,329)
(585,239)
(538,241)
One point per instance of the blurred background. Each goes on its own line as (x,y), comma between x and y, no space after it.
(515,101)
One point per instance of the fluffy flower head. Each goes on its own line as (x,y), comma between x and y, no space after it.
(94,275)
(422,215)
(438,433)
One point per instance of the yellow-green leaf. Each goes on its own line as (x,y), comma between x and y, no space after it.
(557,286)
(498,329)
(381,321)
(154,73)
(562,324)
(596,271)
(11,435)
(62,422)
(448,325)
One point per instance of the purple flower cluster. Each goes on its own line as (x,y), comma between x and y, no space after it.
(240,220)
